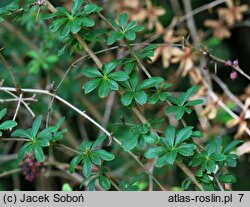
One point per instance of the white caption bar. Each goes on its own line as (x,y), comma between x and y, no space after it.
(124,199)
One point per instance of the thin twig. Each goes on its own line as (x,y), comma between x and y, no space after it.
(190,22)
(227,91)
(18,106)
(7,173)
(19,35)
(23,102)
(189,174)
(67,148)
(6,158)
(14,139)
(10,70)
(198,10)
(218,183)
(17,99)
(222,105)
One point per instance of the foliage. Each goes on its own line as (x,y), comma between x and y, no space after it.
(72,22)
(84,59)
(9,124)
(38,140)
(123,29)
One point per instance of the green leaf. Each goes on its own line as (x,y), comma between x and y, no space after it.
(130,143)
(163,95)
(154,152)
(231,146)
(85,145)
(87,167)
(104,89)
(43,142)
(133,80)
(7,125)
(111,21)
(113,85)
(21,133)
(75,161)
(196,161)
(171,156)
(98,141)
(171,109)
(174,100)
(218,157)
(87,22)
(104,182)
(91,85)
(141,97)
(186,183)
(227,178)
(25,149)
(127,98)
(128,67)
(51,59)
(107,156)
(33,54)
(130,35)
(183,135)
(75,25)
(161,161)
(151,82)
(170,135)
(90,8)
(136,179)
(91,72)
(206,179)
(57,136)
(184,97)
(186,150)
(66,187)
(211,166)
(108,67)
(231,160)
(151,138)
(131,25)
(194,102)
(36,125)
(59,123)
(114,37)
(2,113)
(168,158)
(122,20)
(179,112)
(46,133)
(38,151)
(137,29)
(66,30)
(119,76)
(91,184)
(95,159)
(197,134)
(76,4)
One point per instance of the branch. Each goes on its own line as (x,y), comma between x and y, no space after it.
(198,10)
(10,70)
(227,91)
(23,102)
(4,174)
(189,174)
